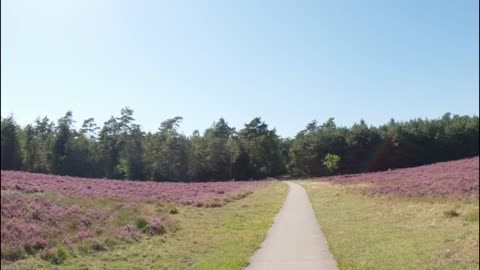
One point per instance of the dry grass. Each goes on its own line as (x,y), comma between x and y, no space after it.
(392,232)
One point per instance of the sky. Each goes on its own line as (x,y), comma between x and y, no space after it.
(289,62)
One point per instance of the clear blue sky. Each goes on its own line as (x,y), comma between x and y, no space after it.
(287,61)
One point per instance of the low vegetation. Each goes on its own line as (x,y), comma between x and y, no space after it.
(184,193)
(47,224)
(458,179)
(416,218)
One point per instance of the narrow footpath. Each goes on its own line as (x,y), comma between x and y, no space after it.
(295,241)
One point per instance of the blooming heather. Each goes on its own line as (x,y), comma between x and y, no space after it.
(33,222)
(458,178)
(185,193)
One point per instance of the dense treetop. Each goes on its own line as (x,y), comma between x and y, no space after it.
(120,149)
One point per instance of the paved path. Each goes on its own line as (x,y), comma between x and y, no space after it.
(295,241)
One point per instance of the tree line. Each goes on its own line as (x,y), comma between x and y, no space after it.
(121,150)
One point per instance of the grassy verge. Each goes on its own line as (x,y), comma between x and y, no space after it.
(380,232)
(207,238)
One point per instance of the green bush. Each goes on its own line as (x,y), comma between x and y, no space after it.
(56,257)
(332,162)
(141,223)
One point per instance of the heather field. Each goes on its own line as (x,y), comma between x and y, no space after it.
(458,179)
(184,193)
(415,218)
(61,222)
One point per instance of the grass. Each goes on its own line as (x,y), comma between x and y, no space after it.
(208,237)
(380,232)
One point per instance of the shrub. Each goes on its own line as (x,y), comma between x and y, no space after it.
(241,195)
(160,225)
(83,248)
(97,246)
(14,254)
(141,223)
(331,162)
(84,234)
(172,208)
(155,226)
(451,213)
(110,242)
(128,232)
(56,257)
(36,245)
(213,203)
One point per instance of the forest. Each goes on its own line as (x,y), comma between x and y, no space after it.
(121,150)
